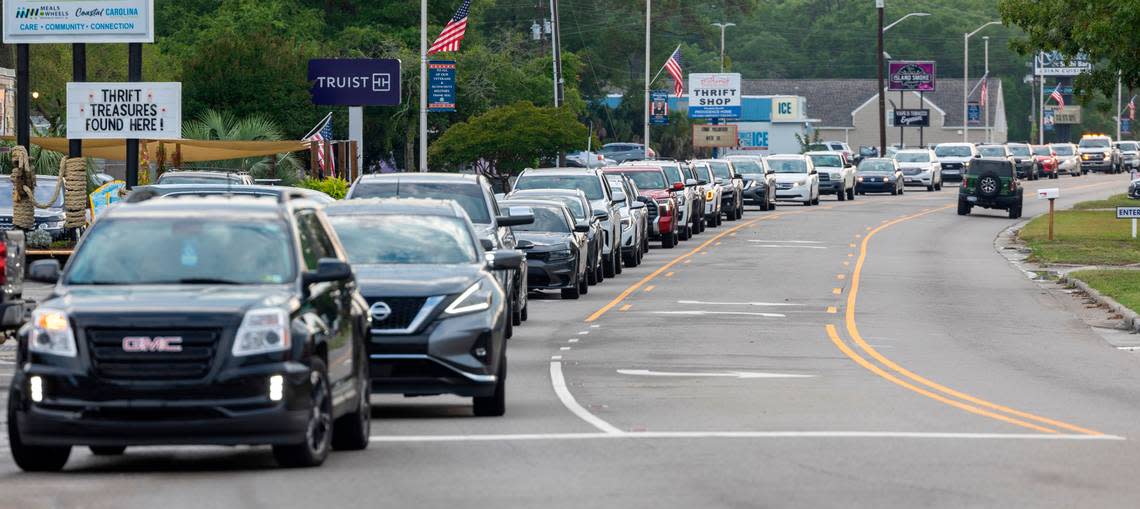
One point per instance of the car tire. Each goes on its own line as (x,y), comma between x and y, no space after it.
(509,331)
(851,194)
(599,269)
(571,293)
(617,262)
(583,284)
(318,434)
(592,274)
(351,431)
(108,450)
(669,241)
(771,205)
(895,191)
(841,195)
(494,405)
(686,233)
(608,267)
(739,211)
(963,208)
(807,203)
(1015,212)
(930,188)
(33,458)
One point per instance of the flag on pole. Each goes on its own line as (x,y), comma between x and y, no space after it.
(449,38)
(1132,108)
(985,93)
(673,66)
(323,134)
(1056,96)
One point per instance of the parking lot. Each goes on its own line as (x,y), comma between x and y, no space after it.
(759,357)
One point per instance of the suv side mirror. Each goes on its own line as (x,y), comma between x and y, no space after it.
(691,182)
(619,197)
(487,244)
(44,271)
(506,259)
(582,228)
(328,270)
(515,220)
(602,215)
(702,182)
(678,186)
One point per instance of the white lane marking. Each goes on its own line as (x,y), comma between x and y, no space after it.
(571,404)
(555,357)
(736,313)
(572,340)
(787,241)
(565,348)
(703,303)
(724,374)
(742,434)
(583,333)
(797,246)
(595,326)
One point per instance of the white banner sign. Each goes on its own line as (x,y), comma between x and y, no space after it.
(76,21)
(1052,63)
(146,111)
(714,95)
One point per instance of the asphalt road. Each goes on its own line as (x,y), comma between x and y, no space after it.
(874,353)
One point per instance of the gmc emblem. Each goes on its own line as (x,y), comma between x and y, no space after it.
(156,344)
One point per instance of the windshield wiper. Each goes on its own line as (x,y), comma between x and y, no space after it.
(207,281)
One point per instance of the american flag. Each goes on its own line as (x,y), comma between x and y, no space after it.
(448,40)
(985,93)
(673,66)
(1132,108)
(1056,96)
(323,134)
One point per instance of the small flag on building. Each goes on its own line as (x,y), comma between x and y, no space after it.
(322,134)
(673,66)
(452,34)
(985,93)
(1056,96)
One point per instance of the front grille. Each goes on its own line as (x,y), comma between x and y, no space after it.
(111,361)
(912,171)
(823,177)
(403,311)
(784,186)
(951,166)
(540,257)
(652,209)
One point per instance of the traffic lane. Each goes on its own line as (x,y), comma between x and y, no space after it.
(756,304)
(625,472)
(978,325)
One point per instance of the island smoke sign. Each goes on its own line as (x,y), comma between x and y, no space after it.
(907,75)
(146,111)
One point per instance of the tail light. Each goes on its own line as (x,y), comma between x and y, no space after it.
(1013,185)
(3,262)
(964,183)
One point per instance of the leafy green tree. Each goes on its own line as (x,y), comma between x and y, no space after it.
(215,125)
(505,140)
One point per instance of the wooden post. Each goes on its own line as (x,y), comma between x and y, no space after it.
(313,155)
(177,156)
(355,149)
(1051,200)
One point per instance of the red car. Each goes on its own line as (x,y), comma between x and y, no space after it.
(1046,160)
(657,194)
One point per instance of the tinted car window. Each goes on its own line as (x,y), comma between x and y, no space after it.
(1129,146)
(912,157)
(672,173)
(876,166)
(173,250)
(43,192)
(647,179)
(469,196)
(991,151)
(720,169)
(575,206)
(1041,151)
(748,167)
(1001,168)
(952,151)
(1094,143)
(1019,150)
(546,220)
(405,239)
(831,161)
(588,183)
(787,166)
(315,243)
(1063,150)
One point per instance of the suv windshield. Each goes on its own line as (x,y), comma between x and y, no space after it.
(991,151)
(828,160)
(981,167)
(748,168)
(468,196)
(912,157)
(876,166)
(1063,150)
(1094,143)
(391,239)
(1019,150)
(1128,145)
(952,151)
(1042,151)
(588,183)
(647,179)
(672,173)
(720,169)
(165,250)
(546,219)
(787,165)
(43,192)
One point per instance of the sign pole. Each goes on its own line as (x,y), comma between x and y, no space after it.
(134,73)
(23,97)
(1041,113)
(648,20)
(1134,227)
(921,133)
(423,86)
(902,105)
(356,133)
(78,75)
(880,5)
(1051,200)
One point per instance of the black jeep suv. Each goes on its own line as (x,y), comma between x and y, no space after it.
(198,320)
(991,184)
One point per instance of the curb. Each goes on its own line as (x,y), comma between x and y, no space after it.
(1131,318)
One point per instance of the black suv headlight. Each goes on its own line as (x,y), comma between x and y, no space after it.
(474,299)
(262,330)
(51,333)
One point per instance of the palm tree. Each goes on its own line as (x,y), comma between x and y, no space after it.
(215,125)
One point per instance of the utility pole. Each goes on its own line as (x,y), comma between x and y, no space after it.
(559,92)
(722,27)
(1119,104)
(78,75)
(134,73)
(423,86)
(1041,112)
(986,99)
(23,98)
(648,26)
(882,99)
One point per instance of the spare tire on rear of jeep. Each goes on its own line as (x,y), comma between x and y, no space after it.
(989,185)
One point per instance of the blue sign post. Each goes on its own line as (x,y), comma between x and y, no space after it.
(441,85)
(355,81)
(973,114)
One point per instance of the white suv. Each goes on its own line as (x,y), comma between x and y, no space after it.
(836,174)
(796,179)
(955,158)
(920,167)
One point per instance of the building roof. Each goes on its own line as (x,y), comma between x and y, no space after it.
(833,101)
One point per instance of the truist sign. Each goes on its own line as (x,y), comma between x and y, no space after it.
(355,81)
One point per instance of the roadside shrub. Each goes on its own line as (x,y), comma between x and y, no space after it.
(334,186)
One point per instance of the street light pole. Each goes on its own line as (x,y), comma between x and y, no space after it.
(966,79)
(648,11)
(986,77)
(722,27)
(423,86)
(879,4)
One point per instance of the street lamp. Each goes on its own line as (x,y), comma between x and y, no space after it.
(966,80)
(722,26)
(879,4)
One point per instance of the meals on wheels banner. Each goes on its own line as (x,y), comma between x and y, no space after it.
(78,21)
(148,111)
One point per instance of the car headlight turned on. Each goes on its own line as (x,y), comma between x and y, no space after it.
(51,333)
(474,299)
(710,196)
(263,330)
(858,179)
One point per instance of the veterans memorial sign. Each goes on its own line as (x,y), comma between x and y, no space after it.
(147,111)
(441,85)
(78,21)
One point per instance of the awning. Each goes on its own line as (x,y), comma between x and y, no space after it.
(190,150)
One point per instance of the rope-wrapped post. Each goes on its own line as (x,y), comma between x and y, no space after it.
(23,189)
(74,173)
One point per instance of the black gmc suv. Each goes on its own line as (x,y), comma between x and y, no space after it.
(198,320)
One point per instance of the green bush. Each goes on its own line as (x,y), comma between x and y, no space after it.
(335,187)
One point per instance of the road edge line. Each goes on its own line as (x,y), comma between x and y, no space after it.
(571,404)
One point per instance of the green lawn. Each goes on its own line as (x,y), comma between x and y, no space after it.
(1122,285)
(1082,237)
(1119,200)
